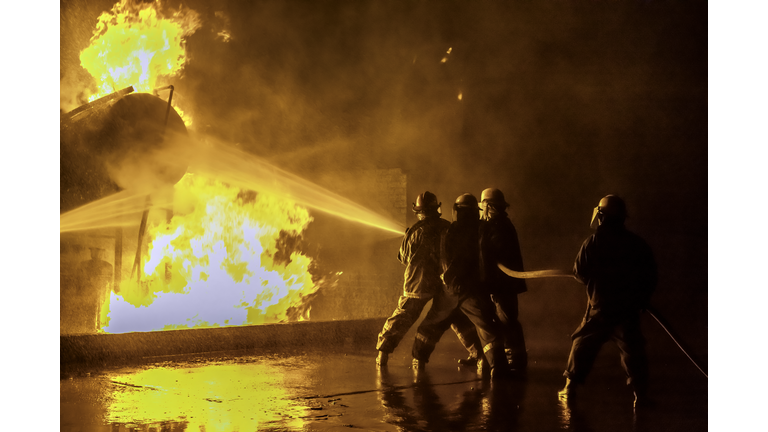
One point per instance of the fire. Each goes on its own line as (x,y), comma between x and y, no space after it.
(134,44)
(225,258)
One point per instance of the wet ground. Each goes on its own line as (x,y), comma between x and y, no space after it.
(323,390)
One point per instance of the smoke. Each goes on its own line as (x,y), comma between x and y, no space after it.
(143,167)
(323,89)
(145,170)
(250,172)
(555,99)
(71,92)
(76,25)
(562,103)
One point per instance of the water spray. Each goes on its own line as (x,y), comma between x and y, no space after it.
(248,171)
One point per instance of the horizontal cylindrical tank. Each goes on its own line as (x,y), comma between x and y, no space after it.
(122,141)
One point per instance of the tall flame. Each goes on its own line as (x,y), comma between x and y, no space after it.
(134,44)
(226,259)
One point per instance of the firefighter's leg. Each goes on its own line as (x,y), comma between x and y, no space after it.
(587,341)
(467,335)
(631,343)
(514,340)
(480,312)
(407,312)
(437,321)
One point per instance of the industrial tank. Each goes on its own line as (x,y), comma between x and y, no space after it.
(122,141)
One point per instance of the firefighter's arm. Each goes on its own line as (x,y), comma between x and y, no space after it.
(581,265)
(416,250)
(405,249)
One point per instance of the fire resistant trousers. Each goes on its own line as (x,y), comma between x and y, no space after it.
(595,330)
(449,309)
(407,312)
(512,330)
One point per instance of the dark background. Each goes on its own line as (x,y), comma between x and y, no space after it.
(562,102)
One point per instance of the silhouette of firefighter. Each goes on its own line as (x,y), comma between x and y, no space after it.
(462,294)
(419,252)
(619,270)
(499,245)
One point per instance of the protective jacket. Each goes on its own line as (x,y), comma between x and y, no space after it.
(618,268)
(499,244)
(420,253)
(460,258)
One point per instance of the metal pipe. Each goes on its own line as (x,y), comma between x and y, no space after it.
(98,102)
(136,267)
(118,259)
(170,98)
(168,216)
(169,212)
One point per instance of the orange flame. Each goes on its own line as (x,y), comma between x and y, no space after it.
(135,45)
(228,263)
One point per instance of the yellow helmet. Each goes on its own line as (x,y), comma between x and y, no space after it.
(495,197)
(426,202)
(611,208)
(466,200)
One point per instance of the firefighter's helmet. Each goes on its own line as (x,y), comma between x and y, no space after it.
(466,200)
(610,208)
(465,209)
(495,197)
(426,202)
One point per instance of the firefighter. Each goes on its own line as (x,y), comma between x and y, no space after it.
(461,293)
(619,271)
(419,252)
(499,244)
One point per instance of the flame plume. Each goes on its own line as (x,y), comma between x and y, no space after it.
(228,260)
(134,44)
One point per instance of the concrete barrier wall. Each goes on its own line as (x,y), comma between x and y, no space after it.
(102,349)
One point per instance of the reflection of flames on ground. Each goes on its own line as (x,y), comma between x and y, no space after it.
(227,257)
(134,44)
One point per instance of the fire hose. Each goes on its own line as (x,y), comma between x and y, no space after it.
(535,274)
(562,273)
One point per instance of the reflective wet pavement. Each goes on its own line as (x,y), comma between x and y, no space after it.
(343,389)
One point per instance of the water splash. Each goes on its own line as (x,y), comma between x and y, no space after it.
(232,166)
(122,209)
(247,171)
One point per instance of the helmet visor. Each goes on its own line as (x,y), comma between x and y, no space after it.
(596,213)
